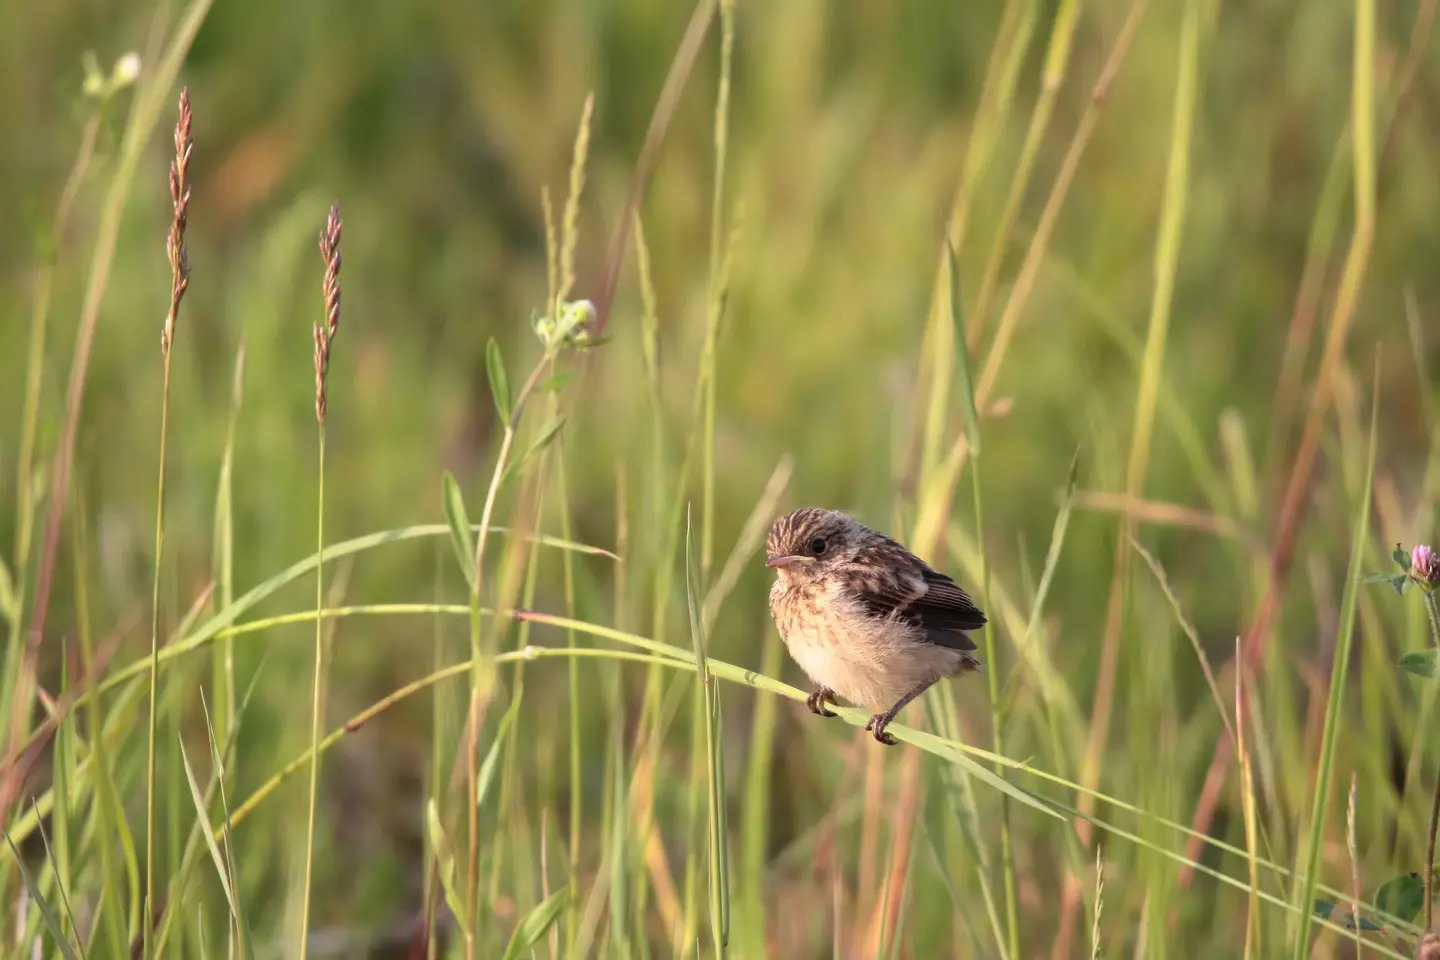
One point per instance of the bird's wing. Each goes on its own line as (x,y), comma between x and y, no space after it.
(927,599)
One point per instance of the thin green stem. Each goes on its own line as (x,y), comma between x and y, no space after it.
(1433,610)
(717,283)
(477,661)
(148,912)
(316,703)
(1007,853)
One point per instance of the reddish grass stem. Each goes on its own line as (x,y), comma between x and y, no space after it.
(324,335)
(179,283)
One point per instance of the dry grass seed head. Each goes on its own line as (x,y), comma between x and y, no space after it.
(180,201)
(325,334)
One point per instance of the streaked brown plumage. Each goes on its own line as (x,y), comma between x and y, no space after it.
(864,617)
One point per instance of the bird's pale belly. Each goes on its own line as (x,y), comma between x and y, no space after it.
(867,661)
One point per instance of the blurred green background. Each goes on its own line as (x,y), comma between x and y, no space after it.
(436,125)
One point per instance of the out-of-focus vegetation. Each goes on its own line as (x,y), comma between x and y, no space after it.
(1188,235)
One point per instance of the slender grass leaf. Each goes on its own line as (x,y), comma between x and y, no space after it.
(52,922)
(715,771)
(461,537)
(203,818)
(445,865)
(1325,764)
(227,617)
(962,355)
(535,924)
(546,436)
(492,756)
(499,382)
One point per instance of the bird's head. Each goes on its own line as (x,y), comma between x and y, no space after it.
(805,543)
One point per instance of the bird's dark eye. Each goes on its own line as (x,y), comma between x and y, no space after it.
(817,546)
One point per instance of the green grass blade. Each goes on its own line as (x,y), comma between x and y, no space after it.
(962,355)
(47,914)
(499,381)
(1339,670)
(535,924)
(486,777)
(714,766)
(203,818)
(444,854)
(460,536)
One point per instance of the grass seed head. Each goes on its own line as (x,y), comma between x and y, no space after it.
(180,202)
(325,333)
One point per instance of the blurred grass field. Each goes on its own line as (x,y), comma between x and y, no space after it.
(1179,400)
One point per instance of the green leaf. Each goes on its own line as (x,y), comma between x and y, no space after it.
(445,864)
(1401,897)
(1419,662)
(47,913)
(460,537)
(535,924)
(1401,558)
(1396,581)
(962,355)
(487,766)
(556,381)
(203,819)
(499,382)
(547,435)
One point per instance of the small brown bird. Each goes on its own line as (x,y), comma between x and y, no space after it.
(864,617)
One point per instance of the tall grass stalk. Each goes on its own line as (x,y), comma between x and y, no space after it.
(565,253)
(180,281)
(1057,61)
(144,114)
(997,92)
(1166,258)
(1339,672)
(1342,315)
(992,675)
(718,284)
(223,561)
(324,336)
(1432,608)
(1253,928)
(480,680)
(679,659)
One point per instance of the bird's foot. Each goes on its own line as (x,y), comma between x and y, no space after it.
(816,702)
(877,726)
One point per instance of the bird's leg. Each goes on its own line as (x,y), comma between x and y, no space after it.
(816,702)
(880,721)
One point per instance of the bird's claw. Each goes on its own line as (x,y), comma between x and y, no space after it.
(816,703)
(877,726)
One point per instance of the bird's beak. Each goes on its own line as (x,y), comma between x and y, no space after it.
(781,560)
